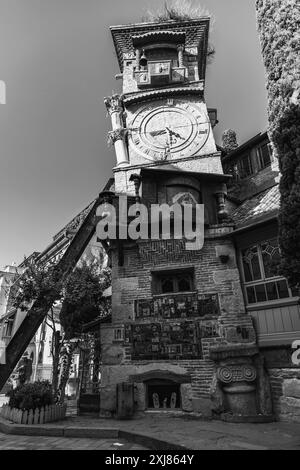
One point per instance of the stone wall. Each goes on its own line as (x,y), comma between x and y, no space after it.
(285,385)
(285,382)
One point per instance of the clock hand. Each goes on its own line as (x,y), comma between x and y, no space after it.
(175,134)
(160,132)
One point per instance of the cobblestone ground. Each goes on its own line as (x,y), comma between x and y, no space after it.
(11,442)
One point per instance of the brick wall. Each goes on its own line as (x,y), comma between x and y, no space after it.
(133,281)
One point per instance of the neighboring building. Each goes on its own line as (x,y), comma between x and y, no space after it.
(254,200)
(39,349)
(8,276)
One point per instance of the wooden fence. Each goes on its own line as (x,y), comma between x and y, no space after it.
(38,416)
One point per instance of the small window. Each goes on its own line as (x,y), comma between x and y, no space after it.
(263,156)
(245,167)
(173,282)
(119,334)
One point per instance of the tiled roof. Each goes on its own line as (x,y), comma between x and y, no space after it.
(261,206)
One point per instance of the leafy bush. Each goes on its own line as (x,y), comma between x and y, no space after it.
(178,10)
(30,396)
(83,300)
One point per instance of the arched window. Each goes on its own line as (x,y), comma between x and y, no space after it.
(183,194)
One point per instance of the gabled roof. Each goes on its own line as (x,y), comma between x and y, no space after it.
(258,208)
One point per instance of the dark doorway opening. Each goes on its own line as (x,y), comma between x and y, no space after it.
(163,394)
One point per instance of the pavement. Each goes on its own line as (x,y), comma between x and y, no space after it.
(9,442)
(164,433)
(157,430)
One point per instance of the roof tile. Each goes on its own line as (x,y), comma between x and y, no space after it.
(257,207)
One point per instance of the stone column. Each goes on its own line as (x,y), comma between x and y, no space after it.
(137,59)
(180,56)
(115,108)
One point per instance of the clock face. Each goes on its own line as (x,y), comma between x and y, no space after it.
(169,129)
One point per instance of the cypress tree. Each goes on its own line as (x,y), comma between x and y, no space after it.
(278,25)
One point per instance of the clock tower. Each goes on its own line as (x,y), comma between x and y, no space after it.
(161,117)
(171,306)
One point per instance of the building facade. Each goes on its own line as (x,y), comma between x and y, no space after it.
(180,332)
(254,200)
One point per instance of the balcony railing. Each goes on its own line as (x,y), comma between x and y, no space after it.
(159,74)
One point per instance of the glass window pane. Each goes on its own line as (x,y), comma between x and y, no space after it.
(251,264)
(184,284)
(282,289)
(271,257)
(167,285)
(265,158)
(295,291)
(247,271)
(251,295)
(245,166)
(271,291)
(260,293)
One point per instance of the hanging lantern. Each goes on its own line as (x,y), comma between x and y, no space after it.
(143,60)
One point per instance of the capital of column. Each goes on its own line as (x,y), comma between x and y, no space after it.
(114,104)
(117,134)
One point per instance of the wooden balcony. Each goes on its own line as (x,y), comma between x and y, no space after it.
(277,322)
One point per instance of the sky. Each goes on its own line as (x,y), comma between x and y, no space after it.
(58,62)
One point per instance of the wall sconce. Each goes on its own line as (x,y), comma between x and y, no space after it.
(143,60)
(224,259)
(212,114)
